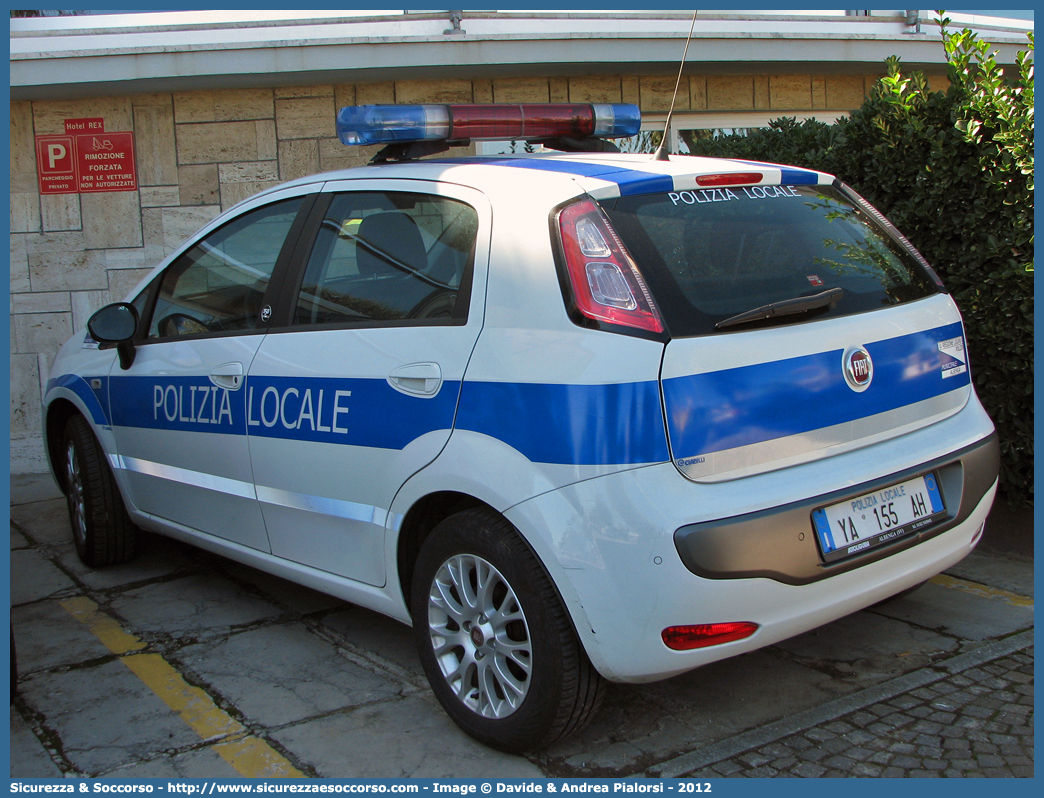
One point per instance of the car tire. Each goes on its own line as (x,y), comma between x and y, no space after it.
(102,531)
(514,683)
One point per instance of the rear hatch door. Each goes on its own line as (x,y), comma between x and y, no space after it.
(801,326)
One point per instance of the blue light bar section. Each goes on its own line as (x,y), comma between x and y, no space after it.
(617,120)
(382,124)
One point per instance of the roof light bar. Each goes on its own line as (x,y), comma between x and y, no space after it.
(383,124)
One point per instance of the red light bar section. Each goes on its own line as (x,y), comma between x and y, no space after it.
(686,638)
(734,179)
(521,121)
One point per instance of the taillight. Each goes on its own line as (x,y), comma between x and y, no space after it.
(684,638)
(607,285)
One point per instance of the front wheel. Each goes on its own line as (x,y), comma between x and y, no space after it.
(102,531)
(495,641)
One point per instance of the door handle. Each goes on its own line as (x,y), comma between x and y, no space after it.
(228,375)
(417,379)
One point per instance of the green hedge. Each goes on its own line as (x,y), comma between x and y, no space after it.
(954,172)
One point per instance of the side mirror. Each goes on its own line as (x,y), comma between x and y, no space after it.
(116,324)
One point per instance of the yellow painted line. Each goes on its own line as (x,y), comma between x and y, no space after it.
(103,626)
(252,757)
(196,708)
(1014,599)
(249,755)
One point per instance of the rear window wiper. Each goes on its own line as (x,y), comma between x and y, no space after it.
(785,307)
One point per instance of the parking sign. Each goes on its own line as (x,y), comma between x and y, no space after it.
(55,164)
(86,163)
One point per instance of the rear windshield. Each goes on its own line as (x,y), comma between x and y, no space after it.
(711,254)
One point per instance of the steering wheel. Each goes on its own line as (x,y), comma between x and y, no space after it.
(178,324)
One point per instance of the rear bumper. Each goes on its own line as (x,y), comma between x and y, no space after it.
(783,611)
(779,543)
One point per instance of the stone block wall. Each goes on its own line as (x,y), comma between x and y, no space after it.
(200,152)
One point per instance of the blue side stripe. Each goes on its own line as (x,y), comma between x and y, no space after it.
(569,424)
(726,409)
(97,402)
(359,412)
(614,424)
(181,404)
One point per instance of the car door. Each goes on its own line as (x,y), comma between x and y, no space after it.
(358,388)
(179,412)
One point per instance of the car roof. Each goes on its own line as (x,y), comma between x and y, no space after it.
(603,175)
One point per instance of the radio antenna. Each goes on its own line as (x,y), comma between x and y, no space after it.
(661,151)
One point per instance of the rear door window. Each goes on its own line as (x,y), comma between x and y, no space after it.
(711,254)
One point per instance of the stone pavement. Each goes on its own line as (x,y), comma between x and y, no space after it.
(297,683)
(974,722)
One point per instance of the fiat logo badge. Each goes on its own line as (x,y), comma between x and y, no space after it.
(858,368)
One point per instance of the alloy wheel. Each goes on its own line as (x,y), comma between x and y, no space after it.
(74,488)
(480,636)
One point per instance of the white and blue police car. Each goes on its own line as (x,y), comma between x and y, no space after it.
(575,416)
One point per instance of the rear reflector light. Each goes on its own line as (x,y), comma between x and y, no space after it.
(736,179)
(379,124)
(684,638)
(607,285)
(978,533)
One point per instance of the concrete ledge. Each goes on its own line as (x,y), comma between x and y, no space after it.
(57,58)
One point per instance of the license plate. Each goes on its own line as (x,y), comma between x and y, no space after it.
(874,519)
